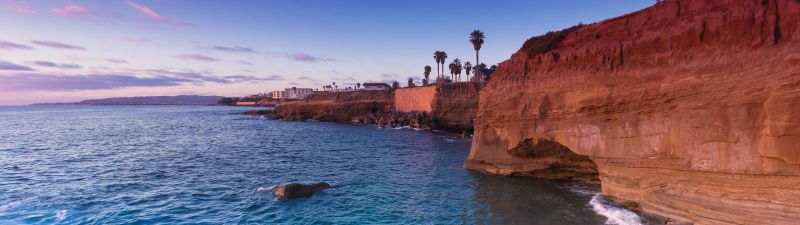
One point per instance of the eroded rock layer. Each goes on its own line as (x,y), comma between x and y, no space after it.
(343,106)
(690,110)
(455,105)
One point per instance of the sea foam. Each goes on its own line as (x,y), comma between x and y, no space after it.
(615,215)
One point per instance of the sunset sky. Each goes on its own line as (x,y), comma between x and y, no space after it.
(65,51)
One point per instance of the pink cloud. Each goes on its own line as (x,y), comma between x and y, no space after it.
(5,45)
(116,60)
(152,14)
(197,57)
(54,44)
(307,58)
(71,10)
(26,10)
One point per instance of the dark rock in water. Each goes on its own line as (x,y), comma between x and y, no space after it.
(296,190)
(257,112)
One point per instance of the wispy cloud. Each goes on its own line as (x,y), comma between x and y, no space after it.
(247,78)
(302,57)
(116,60)
(50,82)
(6,65)
(72,10)
(197,57)
(5,45)
(307,58)
(59,45)
(233,49)
(153,14)
(246,63)
(56,65)
(18,6)
(390,75)
(197,76)
(37,81)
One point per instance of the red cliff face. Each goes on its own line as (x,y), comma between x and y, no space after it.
(689,109)
(344,106)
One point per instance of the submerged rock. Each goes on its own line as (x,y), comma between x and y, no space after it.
(297,190)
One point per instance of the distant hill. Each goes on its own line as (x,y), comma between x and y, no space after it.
(149,100)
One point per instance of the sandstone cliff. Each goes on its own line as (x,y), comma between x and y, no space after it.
(455,105)
(687,110)
(447,107)
(343,106)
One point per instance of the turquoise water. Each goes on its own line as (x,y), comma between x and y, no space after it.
(204,165)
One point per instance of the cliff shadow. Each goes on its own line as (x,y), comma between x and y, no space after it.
(560,162)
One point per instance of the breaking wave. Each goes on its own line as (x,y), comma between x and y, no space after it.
(616,215)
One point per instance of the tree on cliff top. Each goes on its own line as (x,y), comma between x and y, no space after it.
(452,67)
(411,82)
(439,57)
(427,71)
(467,69)
(457,69)
(476,37)
(395,85)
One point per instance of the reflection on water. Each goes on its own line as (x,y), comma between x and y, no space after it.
(188,165)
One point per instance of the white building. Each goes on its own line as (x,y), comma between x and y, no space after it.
(376,86)
(292,93)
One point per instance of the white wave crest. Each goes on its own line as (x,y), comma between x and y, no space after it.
(615,215)
(61,214)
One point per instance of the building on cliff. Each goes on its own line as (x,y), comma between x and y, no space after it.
(292,93)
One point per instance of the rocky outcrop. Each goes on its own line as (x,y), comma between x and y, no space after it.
(455,106)
(447,107)
(297,190)
(689,110)
(343,106)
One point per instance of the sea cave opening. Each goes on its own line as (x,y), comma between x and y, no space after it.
(560,162)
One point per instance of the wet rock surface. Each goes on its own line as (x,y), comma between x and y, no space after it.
(298,190)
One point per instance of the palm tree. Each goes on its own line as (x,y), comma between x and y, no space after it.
(437,55)
(452,67)
(444,57)
(476,37)
(395,85)
(411,82)
(457,66)
(467,68)
(358,85)
(427,73)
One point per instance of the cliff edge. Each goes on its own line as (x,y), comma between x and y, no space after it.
(687,111)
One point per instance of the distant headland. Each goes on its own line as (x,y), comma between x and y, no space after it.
(148,100)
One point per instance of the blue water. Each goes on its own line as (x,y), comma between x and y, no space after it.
(204,165)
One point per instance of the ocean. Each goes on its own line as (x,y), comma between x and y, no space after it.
(205,165)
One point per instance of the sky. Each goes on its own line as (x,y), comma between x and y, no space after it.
(67,51)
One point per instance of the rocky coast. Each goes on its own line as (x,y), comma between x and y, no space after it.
(687,112)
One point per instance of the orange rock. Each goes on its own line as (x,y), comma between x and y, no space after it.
(690,109)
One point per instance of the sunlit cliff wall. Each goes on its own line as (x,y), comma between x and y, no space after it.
(690,110)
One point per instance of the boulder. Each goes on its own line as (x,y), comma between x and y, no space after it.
(297,190)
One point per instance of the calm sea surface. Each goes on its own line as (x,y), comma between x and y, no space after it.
(204,165)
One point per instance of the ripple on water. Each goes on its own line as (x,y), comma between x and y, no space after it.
(184,165)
